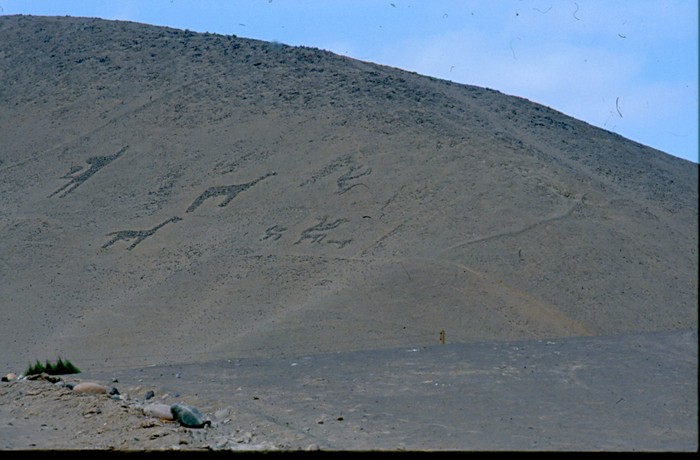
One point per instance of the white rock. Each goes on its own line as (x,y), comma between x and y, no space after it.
(9,377)
(161,411)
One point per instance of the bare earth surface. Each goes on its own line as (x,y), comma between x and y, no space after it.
(279,236)
(580,394)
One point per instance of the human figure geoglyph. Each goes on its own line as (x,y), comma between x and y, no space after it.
(96,163)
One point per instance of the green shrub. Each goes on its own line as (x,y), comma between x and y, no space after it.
(60,368)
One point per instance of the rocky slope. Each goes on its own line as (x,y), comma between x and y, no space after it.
(170,197)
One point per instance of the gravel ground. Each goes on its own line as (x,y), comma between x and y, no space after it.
(635,393)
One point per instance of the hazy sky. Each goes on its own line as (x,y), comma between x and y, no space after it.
(628,66)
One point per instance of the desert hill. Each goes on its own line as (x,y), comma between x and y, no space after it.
(169,196)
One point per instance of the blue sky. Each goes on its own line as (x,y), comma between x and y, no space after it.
(628,66)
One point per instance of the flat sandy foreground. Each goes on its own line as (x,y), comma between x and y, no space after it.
(621,393)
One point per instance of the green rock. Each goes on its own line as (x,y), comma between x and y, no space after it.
(188,416)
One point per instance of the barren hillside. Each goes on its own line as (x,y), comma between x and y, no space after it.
(171,197)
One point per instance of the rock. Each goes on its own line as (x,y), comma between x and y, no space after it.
(161,411)
(222,413)
(90,388)
(188,416)
(149,394)
(9,377)
(222,444)
(45,376)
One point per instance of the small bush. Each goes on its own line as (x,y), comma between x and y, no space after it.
(60,368)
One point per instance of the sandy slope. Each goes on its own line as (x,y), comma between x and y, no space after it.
(173,198)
